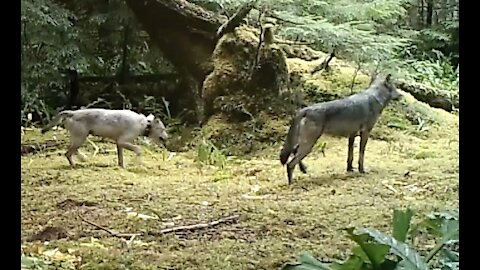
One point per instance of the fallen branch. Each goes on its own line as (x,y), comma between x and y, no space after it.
(294,43)
(94,146)
(325,63)
(131,236)
(32,148)
(196,226)
(131,78)
(374,73)
(359,66)
(446,100)
(260,42)
(271,14)
(120,235)
(236,19)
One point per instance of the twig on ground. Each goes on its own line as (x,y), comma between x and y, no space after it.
(121,235)
(196,226)
(95,152)
(131,236)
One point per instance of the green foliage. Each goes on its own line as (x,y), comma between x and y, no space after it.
(376,245)
(306,262)
(88,39)
(401,224)
(438,74)
(29,262)
(89,36)
(388,34)
(48,45)
(209,154)
(376,250)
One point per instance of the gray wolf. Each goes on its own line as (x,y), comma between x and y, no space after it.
(121,126)
(349,117)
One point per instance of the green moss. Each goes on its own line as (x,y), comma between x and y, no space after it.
(423,154)
(181,192)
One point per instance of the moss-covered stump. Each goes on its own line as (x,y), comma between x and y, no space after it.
(233,59)
(245,138)
(264,121)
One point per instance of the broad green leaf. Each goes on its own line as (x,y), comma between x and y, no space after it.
(411,258)
(375,252)
(358,251)
(450,266)
(302,266)
(306,262)
(354,262)
(449,233)
(32,262)
(309,259)
(389,265)
(450,230)
(449,255)
(444,224)
(401,224)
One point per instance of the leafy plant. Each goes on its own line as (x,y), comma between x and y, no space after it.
(208,153)
(378,251)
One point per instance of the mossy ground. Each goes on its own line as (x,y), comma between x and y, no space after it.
(277,221)
(411,161)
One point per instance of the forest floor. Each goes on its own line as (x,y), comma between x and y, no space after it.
(276,221)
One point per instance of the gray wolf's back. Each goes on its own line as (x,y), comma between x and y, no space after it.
(341,117)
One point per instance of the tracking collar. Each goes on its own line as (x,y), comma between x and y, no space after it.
(146,132)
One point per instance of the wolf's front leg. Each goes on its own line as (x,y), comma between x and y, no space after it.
(120,155)
(351,140)
(132,148)
(363,143)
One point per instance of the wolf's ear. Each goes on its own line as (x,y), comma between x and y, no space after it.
(387,79)
(150,117)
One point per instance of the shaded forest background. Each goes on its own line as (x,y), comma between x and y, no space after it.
(105,52)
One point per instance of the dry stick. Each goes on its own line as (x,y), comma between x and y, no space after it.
(196,226)
(435,250)
(129,235)
(295,43)
(236,19)
(325,62)
(374,74)
(94,146)
(355,76)
(260,41)
(270,14)
(164,231)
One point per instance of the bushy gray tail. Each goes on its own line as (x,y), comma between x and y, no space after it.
(57,120)
(291,140)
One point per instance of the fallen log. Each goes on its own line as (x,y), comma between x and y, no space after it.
(32,148)
(445,100)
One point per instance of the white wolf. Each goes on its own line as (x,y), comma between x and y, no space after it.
(122,126)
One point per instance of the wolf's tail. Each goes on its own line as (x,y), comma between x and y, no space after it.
(290,143)
(57,120)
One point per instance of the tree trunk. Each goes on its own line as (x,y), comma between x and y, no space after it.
(422,13)
(215,57)
(183,31)
(429,12)
(124,72)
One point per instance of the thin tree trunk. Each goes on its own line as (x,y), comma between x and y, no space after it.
(421,14)
(429,12)
(125,68)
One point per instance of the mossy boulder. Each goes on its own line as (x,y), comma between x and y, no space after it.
(235,72)
(265,119)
